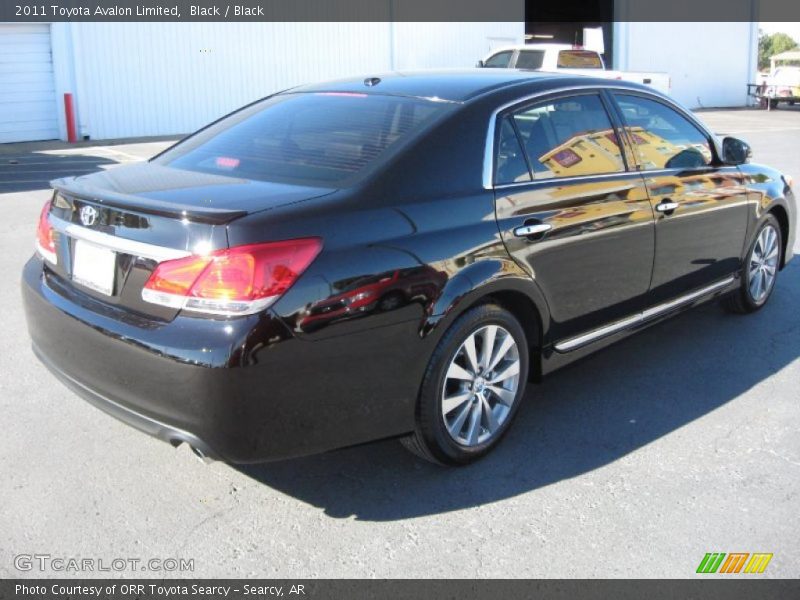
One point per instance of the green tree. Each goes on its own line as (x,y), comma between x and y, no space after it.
(772,44)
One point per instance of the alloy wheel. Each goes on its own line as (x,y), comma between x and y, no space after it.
(481,385)
(763,265)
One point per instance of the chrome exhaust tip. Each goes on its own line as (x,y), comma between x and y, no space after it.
(199,454)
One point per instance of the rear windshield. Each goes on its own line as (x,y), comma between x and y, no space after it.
(579,59)
(323,138)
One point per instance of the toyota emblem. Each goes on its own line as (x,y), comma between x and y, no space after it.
(89,215)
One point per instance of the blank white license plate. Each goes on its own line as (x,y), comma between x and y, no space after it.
(94,267)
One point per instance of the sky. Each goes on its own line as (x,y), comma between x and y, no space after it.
(792,28)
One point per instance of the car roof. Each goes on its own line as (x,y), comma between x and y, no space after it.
(454,85)
(536,46)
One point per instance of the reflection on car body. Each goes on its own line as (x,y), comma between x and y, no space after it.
(383,292)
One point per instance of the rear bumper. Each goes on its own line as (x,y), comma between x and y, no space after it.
(242,390)
(148,425)
(177,380)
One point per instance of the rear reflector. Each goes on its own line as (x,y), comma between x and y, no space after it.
(236,281)
(45,236)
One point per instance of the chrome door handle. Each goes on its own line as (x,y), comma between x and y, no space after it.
(666,206)
(528,230)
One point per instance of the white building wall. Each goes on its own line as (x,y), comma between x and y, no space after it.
(710,63)
(137,79)
(63,70)
(450,45)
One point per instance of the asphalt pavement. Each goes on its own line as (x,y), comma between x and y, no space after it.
(682,440)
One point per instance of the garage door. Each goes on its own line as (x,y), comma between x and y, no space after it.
(27,93)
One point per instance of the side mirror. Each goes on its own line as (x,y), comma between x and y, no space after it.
(690,158)
(479,64)
(735,151)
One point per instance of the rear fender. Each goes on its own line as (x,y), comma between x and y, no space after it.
(478,281)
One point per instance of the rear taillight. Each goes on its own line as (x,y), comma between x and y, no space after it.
(236,281)
(45,236)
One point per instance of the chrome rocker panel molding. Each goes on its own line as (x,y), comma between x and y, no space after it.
(637,319)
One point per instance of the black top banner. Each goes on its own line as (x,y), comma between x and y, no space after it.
(542,11)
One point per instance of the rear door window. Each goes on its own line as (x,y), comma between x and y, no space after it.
(569,137)
(510,163)
(530,59)
(324,137)
(662,137)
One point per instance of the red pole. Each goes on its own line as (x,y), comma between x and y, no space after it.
(69,113)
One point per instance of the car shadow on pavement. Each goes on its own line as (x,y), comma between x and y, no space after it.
(29,171)
(581,418)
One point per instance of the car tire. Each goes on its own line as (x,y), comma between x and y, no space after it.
(759,271)
(468,397)
(391,301)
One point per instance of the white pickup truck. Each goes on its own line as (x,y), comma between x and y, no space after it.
(564,58)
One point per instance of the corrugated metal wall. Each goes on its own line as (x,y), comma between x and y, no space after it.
(150,79)
(427,45)
(136,79)
(710,63)
(139,79)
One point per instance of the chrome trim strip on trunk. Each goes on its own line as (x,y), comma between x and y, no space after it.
(118,244)
(646,315)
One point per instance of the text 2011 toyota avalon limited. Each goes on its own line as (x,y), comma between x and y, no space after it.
(395,256)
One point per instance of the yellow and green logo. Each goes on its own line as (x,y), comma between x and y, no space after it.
(734,563)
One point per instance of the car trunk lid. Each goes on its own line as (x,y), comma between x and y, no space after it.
(113,228)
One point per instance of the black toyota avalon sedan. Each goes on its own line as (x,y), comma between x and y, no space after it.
(395,256)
